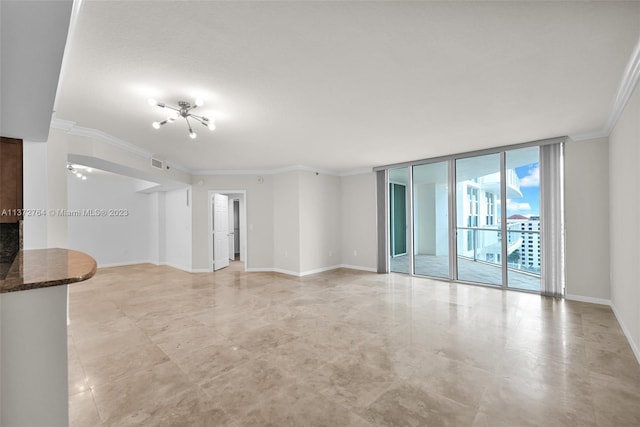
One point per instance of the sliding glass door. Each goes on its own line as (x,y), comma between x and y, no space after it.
(478,218)
(431,220)
(523,219)
(399,220)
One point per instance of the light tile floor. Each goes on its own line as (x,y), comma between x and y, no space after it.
(152,345)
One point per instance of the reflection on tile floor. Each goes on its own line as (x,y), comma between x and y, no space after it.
(468,270)
(152,345)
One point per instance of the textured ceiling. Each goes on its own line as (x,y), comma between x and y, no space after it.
(345,85)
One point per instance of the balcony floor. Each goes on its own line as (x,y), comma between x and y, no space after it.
(437,266)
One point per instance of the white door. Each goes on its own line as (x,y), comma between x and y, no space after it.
(220,209)
(232,246)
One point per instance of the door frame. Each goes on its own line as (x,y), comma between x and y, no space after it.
(244,250)
(392,230)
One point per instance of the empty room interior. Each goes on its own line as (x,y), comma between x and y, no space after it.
(323,213)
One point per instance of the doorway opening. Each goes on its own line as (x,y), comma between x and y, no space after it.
(227,228)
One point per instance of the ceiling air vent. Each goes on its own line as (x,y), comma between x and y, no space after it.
(156,163)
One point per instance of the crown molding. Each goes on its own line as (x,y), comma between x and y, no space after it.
(71,128)
(627,85)
(110,139)
(603,133)
(353,172)
(264,171)
(65,125)
(178,166)
(625,90)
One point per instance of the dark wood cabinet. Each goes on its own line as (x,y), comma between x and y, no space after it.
(10,180)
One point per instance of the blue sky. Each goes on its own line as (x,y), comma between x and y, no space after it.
(530,187)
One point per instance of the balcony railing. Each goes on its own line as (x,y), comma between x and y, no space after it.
(486,246)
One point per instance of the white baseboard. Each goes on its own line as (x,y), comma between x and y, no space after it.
(176,266)
(260,270)
(250,269)
(287,272)
(625,330)
(360,268)
(591,300)
(320,270)
(123,264)
(272,270)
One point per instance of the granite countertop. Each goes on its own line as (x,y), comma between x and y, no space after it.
(41,268)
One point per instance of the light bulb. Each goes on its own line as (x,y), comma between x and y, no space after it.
(192,135)
(172,117)
(199,102)
(89,170)
(78,174)
(152,101)
(84,178)
(211,126)
(156,125)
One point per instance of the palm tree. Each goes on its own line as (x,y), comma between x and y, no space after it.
(514,257)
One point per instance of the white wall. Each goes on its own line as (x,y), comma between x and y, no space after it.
(259,205)
(57,148)
(587,220)
(624,211)
(178,231)
(34,172)
(286,222)
(273,213)
(320,222)
(157,225)
(110,239)
(358,207)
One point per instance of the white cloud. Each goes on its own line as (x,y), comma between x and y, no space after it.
(532,179)
(514,207)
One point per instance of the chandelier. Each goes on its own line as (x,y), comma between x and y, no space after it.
(184,110)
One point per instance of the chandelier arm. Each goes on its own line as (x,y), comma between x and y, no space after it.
(188,124)
(198,118)
(206,119)
(169,107)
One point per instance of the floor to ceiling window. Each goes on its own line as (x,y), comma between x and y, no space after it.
(523,219)
(431,220)
(398,219)
(479,243)
(475,218)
